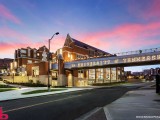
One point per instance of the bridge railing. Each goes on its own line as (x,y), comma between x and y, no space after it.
(138,51)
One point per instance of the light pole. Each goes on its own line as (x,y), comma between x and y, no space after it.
(49,59)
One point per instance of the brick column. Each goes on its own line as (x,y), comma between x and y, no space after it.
(61,74)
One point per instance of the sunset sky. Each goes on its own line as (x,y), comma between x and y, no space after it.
(111,25)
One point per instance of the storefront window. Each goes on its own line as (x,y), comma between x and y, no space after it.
(99,75)
(108,72)
(91,73)
(113,74)
(118,73)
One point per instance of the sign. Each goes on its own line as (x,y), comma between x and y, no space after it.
(115,60)
(3,116)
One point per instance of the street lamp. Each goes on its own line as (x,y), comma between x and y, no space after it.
(49,59)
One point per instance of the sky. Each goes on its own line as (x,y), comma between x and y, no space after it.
(111,25)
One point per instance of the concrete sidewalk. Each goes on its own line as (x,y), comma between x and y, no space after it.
(17,94)
(138,104)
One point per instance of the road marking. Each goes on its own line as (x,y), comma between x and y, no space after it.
(89,114)
(39,104)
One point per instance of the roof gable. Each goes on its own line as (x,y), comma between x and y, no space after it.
(68,41)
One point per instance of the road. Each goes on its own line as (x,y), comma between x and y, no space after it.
(64,106)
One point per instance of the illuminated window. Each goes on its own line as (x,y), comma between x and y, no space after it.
(113,73)
(91,73)
(80,74)
(108,74)
(29,61)
(99,75)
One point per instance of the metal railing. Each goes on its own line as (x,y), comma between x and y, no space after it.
(138,51)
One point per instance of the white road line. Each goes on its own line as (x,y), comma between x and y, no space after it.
(39,104)
(89,114)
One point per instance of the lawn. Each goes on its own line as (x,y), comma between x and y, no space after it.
(5,86)
(42,91)
(7,89)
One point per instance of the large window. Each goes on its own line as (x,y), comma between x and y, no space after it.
(29,61)
(80,73)
(99,75)
(91,73)
(23,51)
(108,72)
(113,74)
(118,73)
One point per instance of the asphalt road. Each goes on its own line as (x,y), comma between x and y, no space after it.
(64,106)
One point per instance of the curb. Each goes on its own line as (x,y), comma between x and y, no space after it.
(43,95)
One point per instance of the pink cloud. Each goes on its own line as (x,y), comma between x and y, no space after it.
(6,14)
(11,34)
(148,11)
(124,37)
(153,11)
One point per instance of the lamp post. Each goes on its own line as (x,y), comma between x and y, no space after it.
(49,59)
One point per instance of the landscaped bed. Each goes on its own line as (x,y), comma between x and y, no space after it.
(7,89)
(42,91)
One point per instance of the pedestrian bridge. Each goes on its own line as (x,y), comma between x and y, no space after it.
(131,58)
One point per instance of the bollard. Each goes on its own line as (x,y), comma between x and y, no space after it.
(157,83)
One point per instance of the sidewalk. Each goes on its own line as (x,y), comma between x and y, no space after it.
(16,94)
(134,105)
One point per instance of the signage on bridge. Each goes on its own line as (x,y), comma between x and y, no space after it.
(116,60)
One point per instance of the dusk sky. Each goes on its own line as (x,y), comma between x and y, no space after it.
(111,25)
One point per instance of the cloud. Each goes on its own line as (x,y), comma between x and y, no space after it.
(124,37)
(148,10)
(12,35)
(153,10)
(7,15)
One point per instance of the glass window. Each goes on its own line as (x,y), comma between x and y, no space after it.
(108,74)
(80,74)
(113,73)
(29,61)
(118,73)
(91,73)
(23,51)
(99,73)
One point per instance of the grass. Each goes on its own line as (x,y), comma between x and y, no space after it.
(41,91)
(7,89)
(5,86)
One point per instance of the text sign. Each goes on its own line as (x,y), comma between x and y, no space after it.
(115,60)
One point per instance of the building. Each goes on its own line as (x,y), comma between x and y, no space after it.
(33,63)
(5,65)
(74,50)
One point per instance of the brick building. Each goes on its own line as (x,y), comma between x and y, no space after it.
(5,65)
(33,63)
(74,50)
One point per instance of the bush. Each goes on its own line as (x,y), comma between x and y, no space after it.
(30,84)
(31,81)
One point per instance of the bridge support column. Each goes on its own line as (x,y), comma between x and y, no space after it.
(61,75)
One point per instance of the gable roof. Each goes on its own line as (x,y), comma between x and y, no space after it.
(69,40)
